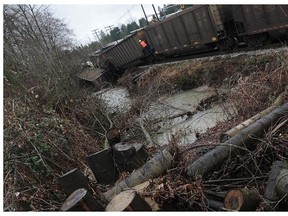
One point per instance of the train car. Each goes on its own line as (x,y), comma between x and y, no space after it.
(191,29)
(124,53)
(256,24)
(200,27)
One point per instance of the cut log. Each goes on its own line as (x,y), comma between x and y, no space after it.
(103,166)
(248,136)
(81,200)
(72,181)
(242,199)
(129,156)
(152,169)
(113,136)
(128,200)
(278,102)
(277,185)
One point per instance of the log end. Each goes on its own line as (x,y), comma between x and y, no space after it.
(73,199)
(233,200)
(242,199)
(128,200)
(113,136)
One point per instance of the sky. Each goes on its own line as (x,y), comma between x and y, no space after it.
(83,18)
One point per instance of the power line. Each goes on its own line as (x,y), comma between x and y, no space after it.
(124,14)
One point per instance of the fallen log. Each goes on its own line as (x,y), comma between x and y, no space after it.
(206,103)
(128,200)
(81,200)
(277,185)
(73,180)
(152,169)
(129,156)
(247,137)
(103,167)
(242,199)
(189,114)
(230,133)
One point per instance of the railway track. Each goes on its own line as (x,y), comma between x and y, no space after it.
(216,52)
(140,71)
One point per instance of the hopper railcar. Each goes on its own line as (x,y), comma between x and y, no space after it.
(200,27)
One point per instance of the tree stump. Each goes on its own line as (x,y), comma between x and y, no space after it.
(81,200)
(103,166)
(242,200)
(129,156)
(113,136)
(72,181)
(128,200)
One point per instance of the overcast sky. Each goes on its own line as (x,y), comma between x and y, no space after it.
(84,18)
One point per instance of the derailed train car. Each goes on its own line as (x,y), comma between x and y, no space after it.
(200,27)
(124,53)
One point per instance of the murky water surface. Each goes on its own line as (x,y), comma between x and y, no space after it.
(116,99)
(165,110)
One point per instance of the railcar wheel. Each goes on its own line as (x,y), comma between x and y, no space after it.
(256,40)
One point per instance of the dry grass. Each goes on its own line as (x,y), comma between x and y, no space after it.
(49,134)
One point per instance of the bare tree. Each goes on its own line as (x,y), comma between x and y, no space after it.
(37,46)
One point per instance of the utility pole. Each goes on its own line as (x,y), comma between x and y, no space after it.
(155,12)
(110,28)
(95,31)
(144,14)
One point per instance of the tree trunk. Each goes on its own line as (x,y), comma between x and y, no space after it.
(242,199)
(248,136)
(129,156)
(128,200)
(278,102)
(81,200)
(103,167)
(72,181)
(152,169)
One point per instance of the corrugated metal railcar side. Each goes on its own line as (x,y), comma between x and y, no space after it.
(124,52)
(261,18)
(192,28)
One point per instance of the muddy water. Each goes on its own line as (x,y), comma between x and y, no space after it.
(183,128)
(116,99)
